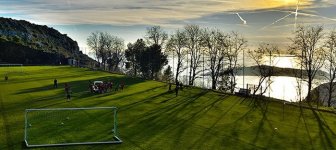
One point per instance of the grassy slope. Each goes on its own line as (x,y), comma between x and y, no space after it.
(151,118)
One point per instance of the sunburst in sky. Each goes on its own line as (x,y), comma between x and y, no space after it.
(258,20)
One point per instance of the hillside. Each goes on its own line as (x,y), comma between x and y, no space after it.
(28,43)
(149,117)
(320,93)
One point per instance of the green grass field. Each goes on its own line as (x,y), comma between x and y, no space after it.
(149,117)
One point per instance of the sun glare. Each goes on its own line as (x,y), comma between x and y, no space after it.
(287,2)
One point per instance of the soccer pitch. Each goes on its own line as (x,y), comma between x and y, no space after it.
(150,117)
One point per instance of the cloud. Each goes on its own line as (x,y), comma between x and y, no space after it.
(78,18)
(131,12)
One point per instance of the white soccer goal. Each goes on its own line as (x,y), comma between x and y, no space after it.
(10,68)
(71,126)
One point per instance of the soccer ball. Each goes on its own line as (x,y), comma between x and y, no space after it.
(62,123)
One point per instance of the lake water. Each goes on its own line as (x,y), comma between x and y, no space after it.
(282,87)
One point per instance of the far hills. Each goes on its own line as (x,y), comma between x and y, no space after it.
(27,43)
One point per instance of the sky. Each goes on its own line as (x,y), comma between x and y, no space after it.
(271,21)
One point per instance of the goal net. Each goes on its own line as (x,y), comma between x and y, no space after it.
(11,68)
(71,126)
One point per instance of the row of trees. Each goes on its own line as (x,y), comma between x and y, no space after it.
(194,47)
(144,58)
(107,49)
(315,50)
(221,50)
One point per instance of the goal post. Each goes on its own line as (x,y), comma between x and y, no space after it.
(12,68)
(71,126)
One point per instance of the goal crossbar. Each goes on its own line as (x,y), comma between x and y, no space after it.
(116,140)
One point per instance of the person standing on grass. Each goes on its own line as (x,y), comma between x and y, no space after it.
(122,85)
(67,91)
(170,84)
(176,89)
(55,83)
(6,77)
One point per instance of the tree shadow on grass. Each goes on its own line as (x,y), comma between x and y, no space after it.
(306,125)
(325,130)
(77,85)
(211,131)
(122,97)
(326,134)
(173,117)
(169,109)
(261,104)
(6,125)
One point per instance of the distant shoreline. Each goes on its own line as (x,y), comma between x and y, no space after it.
(289,72)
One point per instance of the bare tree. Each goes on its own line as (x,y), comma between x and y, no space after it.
(306,45)
(236,44)
(263,71)
(331,63)
(193,35)
(176,44)
(215,44)
(156,35)
(104,43)
(115,48)
(93,44)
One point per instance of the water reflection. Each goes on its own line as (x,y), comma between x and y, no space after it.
(282,87)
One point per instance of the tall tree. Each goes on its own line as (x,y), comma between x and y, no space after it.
(306,45)
(156,35)
(263,71)
(215,46)
(93,44)
(104,44)
(133,54)
(194,37)
(331,63)
(152,60)
(176,44)
(236,44)
(115,53)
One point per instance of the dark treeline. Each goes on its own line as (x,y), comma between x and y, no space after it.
(15,53)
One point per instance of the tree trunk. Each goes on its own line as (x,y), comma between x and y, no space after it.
(309,90)
(213,84)
(177,72)
(190,72)
(231,83)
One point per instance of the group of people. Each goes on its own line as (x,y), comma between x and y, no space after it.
(94,88)
(105,87)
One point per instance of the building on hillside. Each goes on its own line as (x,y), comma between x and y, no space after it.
(73,62)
